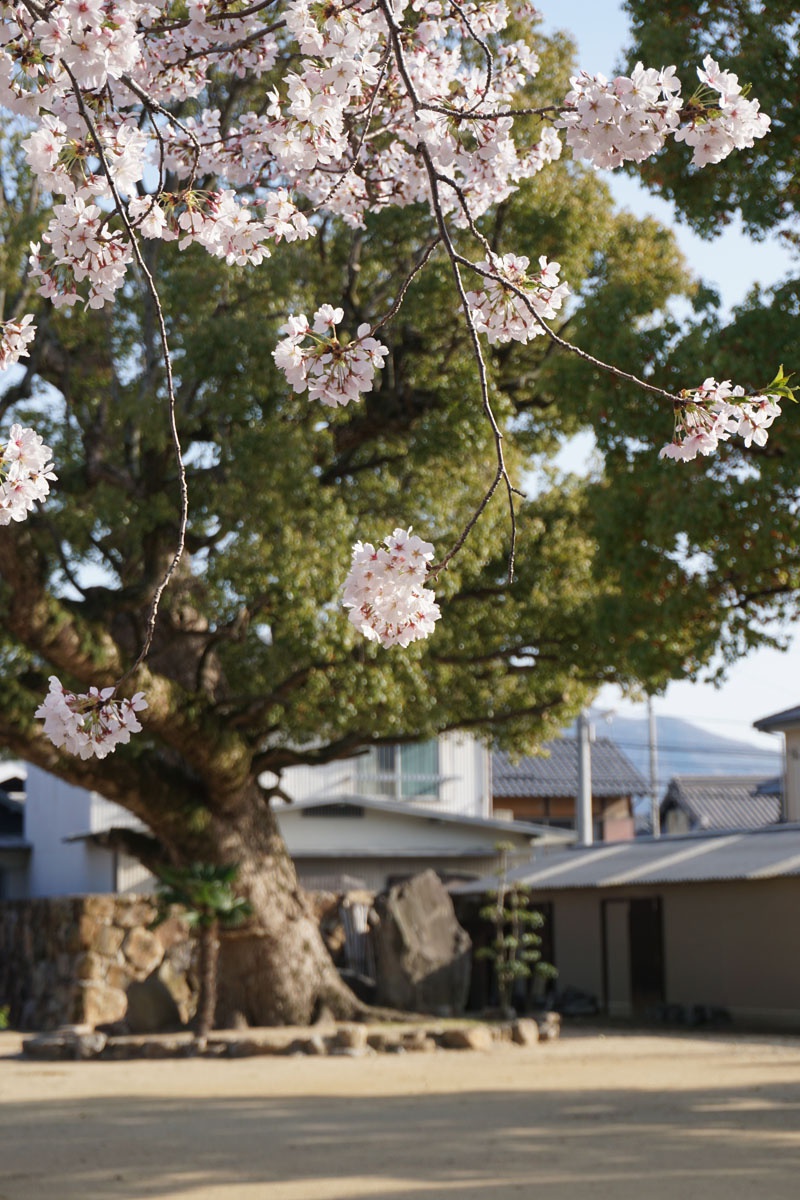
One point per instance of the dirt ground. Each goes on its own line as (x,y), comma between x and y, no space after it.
(598,1117)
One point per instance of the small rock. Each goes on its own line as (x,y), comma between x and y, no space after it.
(350,1037)
(143,950)
(474,1037)
(549,1026)
(418,1042)
(50,1047)
(524,1032)
(64,1045)
(108,940)
(215,1050)
(90,1045)
(102,1005)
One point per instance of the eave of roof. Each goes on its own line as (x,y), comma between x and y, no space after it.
(748,855)
(396,852)
(788,718)
(405,808)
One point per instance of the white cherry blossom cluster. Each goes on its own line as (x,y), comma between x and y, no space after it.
(385,590)
(331,372)
(15,337)
(25,473)
(505,316)
(369,106)
(627,119)
(224,227)
(94,39)
(433,105)
(82,249)
(89,724)
(733,123)
(715,412)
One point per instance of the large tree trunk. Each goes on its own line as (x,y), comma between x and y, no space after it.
(275,969)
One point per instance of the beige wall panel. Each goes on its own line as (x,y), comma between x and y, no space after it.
(736,945)
(577,938)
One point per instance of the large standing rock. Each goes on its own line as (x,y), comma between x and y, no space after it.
(422,953)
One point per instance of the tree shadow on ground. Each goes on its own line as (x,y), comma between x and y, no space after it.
(716,1143)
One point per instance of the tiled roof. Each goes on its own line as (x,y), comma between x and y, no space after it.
(724,801)
(763,854)
(556,773)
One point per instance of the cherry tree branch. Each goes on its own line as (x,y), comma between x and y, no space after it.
(167,360)
(501,473)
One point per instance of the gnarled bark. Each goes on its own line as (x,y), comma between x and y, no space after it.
(275,969)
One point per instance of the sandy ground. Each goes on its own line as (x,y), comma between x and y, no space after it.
(622,1117)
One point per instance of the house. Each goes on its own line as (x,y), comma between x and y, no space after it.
(543,788)
(697,802)
(450,773)
(694,925)
(15,849)
(787,722)
(414,806)
(370,842)
(386,814)
(61,824)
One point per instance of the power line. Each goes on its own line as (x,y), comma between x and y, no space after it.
(723,751)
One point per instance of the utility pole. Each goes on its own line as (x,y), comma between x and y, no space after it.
(583,803)
(655,809)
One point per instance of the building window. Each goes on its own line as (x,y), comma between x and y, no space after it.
(400,772)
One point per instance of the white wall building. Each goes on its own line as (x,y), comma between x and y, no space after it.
(450,773)
(60,859)
(401,790)
(359,841)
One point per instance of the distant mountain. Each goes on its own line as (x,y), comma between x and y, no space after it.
(686,749)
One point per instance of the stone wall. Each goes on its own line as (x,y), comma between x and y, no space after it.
(93,960)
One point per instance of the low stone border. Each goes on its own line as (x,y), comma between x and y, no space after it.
(345,1040)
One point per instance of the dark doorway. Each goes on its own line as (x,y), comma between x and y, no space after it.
(647,954)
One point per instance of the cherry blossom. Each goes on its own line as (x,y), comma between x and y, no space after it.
(713,413)
(25,474)
(331,372)
(505,315)
(627,119)
(89,724)
(732,123)
(370,105)
(385,590)
(14,341)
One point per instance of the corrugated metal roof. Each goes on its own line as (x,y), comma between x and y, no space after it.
(556,773)
(724,801)
(763,854)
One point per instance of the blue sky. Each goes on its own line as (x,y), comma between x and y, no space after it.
(766,681)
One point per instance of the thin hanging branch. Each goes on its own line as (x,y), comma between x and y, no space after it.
(167,359)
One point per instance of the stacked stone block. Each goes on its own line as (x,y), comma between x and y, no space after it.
(71,960)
